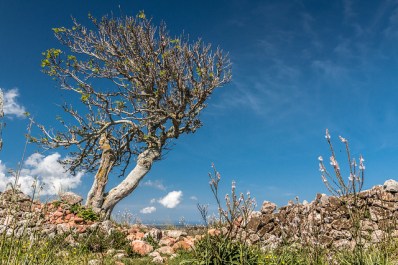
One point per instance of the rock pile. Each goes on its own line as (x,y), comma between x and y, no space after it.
(19,216)
(327,221)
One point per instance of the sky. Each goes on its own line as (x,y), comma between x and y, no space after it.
(298,68)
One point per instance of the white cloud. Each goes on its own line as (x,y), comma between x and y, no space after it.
(155,184)
(194,198)
(152,201)
(172,199)
(11,107)
(148,210)
(49,172)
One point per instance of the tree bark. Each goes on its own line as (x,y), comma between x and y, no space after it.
(95,197)
(128,185)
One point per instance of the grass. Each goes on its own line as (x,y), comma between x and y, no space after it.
(210,250)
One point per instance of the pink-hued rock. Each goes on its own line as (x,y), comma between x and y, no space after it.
(139,235)
(165,250)
(167,241)
(182,245)
(58,214)
(136,236)
(141,247)
(213,232)
(78,219)
(190,240)
(81,229)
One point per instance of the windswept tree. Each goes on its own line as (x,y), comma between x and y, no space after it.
(139,88)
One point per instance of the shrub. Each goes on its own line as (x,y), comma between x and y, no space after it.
(86,213)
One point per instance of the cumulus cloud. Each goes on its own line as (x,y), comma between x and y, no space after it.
(51,176)
(155,184)
(172,199)
(11,106)
(148,210)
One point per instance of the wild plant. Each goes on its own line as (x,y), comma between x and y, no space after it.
(222,248)
(347,190)
(238,208)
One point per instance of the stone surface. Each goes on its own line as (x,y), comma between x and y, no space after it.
(70,198)
(175,233)
(141,247)
(213,232)
(182,245)
(268,207)
(391,186)
(165,250)
(167,241)
(325,221)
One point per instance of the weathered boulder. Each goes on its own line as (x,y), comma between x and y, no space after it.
(165,250)
(141,247)
(70,198)
(391,186)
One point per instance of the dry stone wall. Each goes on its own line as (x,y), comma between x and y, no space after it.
(368,218)
(327,221)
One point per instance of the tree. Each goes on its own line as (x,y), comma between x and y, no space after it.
(140,89)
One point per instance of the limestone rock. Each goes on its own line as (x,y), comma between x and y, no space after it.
(165,250)
(175,233)
(154,233)
(391,186)
(141,247)
(70,198)
(213,232)
(268,207)
(182,245)
(167,241)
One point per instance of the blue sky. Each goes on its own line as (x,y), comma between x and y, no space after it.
(299,67)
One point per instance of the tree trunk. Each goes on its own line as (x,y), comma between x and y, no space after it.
(95,197)
(128,185)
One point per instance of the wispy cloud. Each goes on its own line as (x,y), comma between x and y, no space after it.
(148,210)
(330,69)
(154,184)
(11,106)
(172,199)
(392,29)
(50,174)
(193,198)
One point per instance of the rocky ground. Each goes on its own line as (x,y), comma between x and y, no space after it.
(326,221)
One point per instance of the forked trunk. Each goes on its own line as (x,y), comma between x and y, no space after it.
(104,203)
(128,185)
